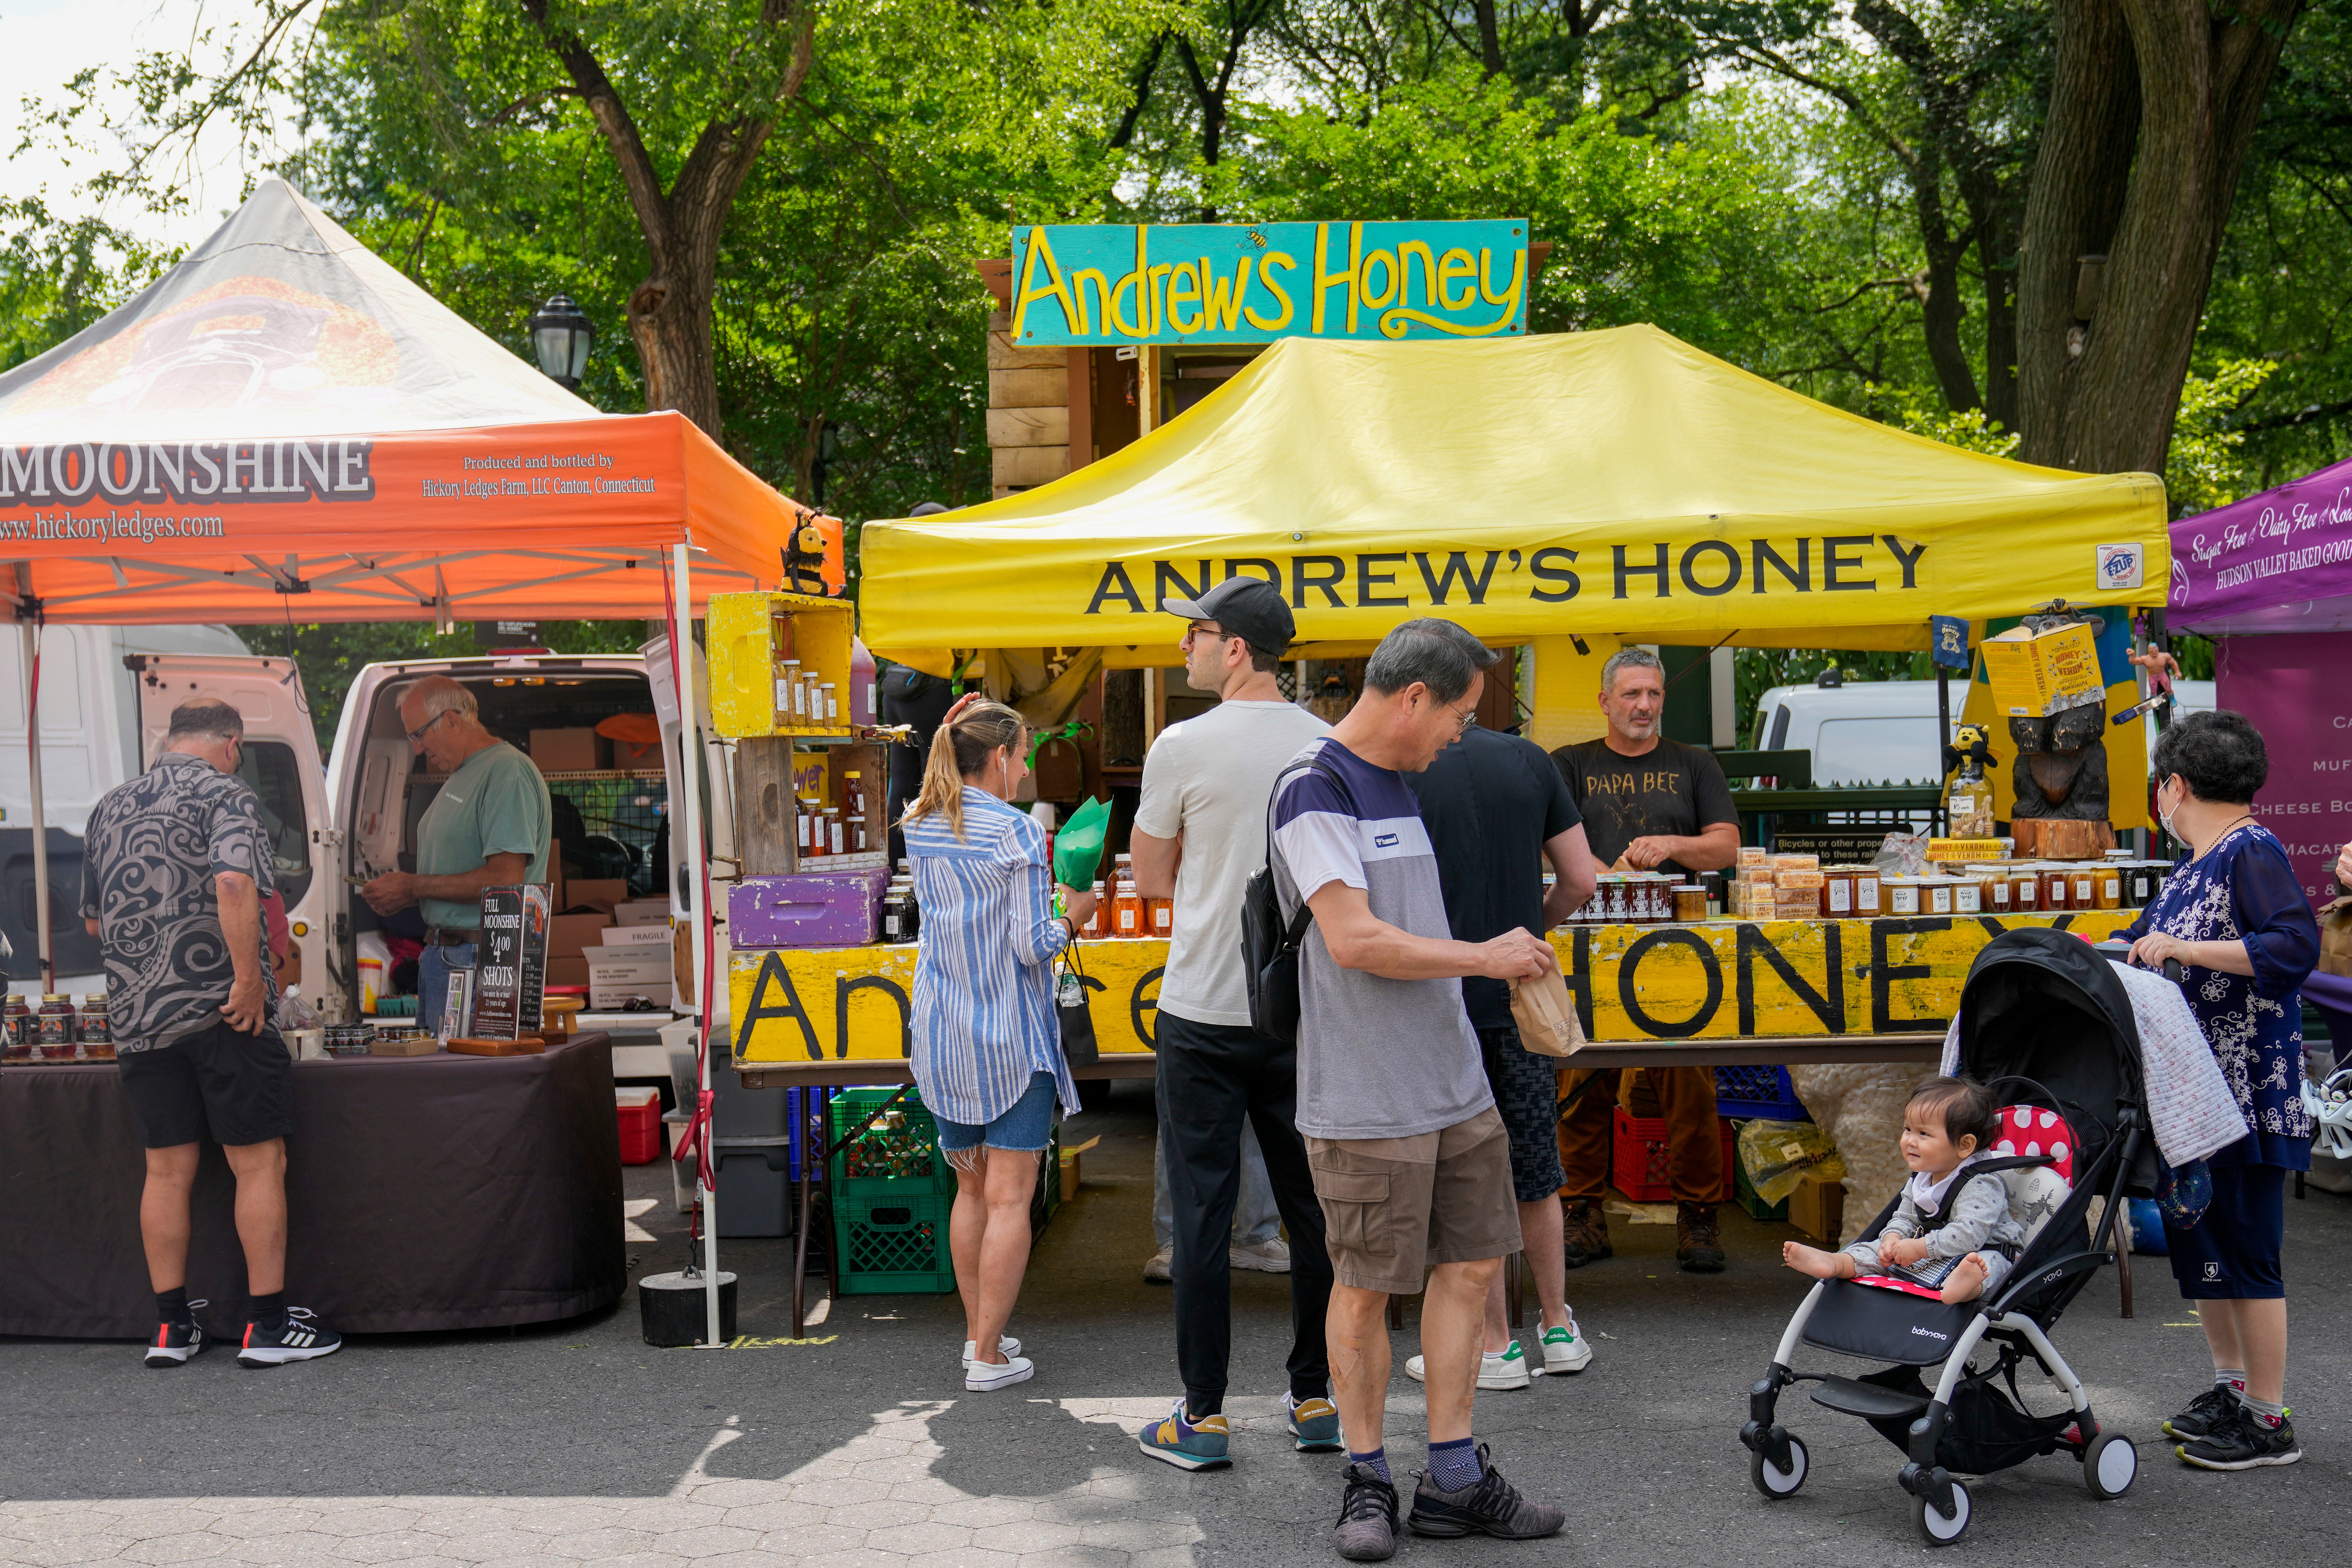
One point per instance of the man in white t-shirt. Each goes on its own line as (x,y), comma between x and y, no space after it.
(1200,833)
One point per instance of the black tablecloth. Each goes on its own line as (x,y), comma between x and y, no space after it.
(436,1192)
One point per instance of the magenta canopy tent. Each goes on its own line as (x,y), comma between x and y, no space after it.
(2277,561)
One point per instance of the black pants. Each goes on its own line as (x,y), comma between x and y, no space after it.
(1209,1077)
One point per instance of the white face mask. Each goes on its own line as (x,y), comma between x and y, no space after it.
(2166,817)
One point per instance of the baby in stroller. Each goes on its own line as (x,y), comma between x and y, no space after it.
(1952,1234)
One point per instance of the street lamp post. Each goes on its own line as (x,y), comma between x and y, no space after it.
(559,335)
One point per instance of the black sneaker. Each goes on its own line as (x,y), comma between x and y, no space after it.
(177,1343)
(1368,1518)
(1698,1246)
(2243,1442)
(1494,1507)
(2204,1413)
(301,1338)
(1585,1233)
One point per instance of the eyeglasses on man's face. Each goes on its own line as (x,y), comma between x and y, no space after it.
(416,736)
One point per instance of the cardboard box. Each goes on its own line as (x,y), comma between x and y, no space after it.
(642,912)
(569,971)
(1818,1208)
(614,981)
(569,751)
(2035,675)
(596,893)
(570,936)
(637,757)
(633,936)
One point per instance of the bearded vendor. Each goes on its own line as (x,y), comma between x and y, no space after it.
(1652,805)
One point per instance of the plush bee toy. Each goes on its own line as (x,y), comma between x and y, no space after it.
(1968,798)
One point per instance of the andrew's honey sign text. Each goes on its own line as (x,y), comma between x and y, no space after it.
(1076,285)
(1724,979)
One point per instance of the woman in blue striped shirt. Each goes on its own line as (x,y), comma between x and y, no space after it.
(987,1045)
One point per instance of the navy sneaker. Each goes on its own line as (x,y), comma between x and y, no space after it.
(301,1338)
(1185,1445)
(2205,1413)
(177,1343)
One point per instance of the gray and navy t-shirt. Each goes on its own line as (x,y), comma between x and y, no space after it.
(1377,1058)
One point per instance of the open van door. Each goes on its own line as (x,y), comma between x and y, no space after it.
(282,762)
(716,774)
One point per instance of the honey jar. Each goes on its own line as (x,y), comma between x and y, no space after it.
(2107,886)
(1126,905)
(1902,894)
(2057,890)
(1163,917)
(2024,889)
(1690,902)
(1837,893)
(1866,902)
(2083,884)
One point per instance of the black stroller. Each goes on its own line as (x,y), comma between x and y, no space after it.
(2046,1023)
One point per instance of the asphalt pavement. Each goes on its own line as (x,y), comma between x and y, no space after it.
(575,1442)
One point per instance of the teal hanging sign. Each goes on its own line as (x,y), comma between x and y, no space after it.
(1086,285)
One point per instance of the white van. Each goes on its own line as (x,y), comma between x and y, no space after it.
(91,677)
(1871,732)
(613,823)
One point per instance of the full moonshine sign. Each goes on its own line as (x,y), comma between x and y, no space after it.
(1080,285)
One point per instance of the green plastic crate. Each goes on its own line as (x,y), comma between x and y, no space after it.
(894,1245)
(1756,1206)
(887,1161)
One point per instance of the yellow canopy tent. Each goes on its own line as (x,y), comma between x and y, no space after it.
(1606,482)
(1618,486)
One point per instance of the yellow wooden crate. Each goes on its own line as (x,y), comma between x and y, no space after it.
(741,658)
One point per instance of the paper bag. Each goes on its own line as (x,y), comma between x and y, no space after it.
(2335,938)
(1547,1019)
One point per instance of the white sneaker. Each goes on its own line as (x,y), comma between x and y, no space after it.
(1271,1256)
(1566,1350)
(1156,1271)
(1004,1342)
(1504,1368)
(980,1376)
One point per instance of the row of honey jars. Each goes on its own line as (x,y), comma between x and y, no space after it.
(1121,912)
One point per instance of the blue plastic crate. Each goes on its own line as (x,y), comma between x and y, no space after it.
(1754,1093)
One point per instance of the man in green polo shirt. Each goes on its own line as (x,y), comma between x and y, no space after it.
(488,827)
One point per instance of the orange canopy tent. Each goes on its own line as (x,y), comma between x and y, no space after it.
(283,423)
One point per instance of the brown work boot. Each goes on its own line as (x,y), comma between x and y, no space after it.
(1698,1248)
(1587,1233)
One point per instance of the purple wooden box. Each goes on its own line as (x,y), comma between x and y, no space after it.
(814,909)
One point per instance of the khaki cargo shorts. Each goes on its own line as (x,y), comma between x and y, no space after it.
(1393,1206)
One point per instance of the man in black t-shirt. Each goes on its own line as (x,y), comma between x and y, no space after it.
(1495,810)
(1656,805)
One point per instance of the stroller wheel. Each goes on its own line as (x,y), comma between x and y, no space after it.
(1772,1480)
(2110,1465)
(1942,1528)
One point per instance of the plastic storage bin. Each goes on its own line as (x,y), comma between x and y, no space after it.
(893,1243)
(900,1156)
(755,1194)
(1762,1092)
(1637,1157)
(640,1113)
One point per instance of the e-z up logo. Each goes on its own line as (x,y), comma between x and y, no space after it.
(1928,1334)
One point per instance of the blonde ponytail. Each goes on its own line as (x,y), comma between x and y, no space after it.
(958,749)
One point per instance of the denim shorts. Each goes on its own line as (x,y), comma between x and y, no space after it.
(1024,1129)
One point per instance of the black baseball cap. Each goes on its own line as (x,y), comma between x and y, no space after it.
(1250,609)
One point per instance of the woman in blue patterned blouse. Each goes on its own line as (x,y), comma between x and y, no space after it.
(2234,914)
(987,1044)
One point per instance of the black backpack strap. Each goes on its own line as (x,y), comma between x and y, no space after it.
(1306,915)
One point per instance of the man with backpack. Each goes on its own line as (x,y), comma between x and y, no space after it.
(1200,833)
(1412,1163)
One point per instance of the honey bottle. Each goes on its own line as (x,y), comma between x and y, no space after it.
(1127,908)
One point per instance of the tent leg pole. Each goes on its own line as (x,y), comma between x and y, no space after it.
(689,746)
(30,634)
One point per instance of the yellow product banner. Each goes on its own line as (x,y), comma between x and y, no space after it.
(1721,980)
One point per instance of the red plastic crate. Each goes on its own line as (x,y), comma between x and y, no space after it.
(1637,1158)
(641,1124)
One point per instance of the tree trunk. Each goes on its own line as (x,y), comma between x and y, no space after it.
(1490,37)
(670,311)
(2152,105)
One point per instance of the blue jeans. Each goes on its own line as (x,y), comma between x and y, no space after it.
(433,969)
(1025,1128)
